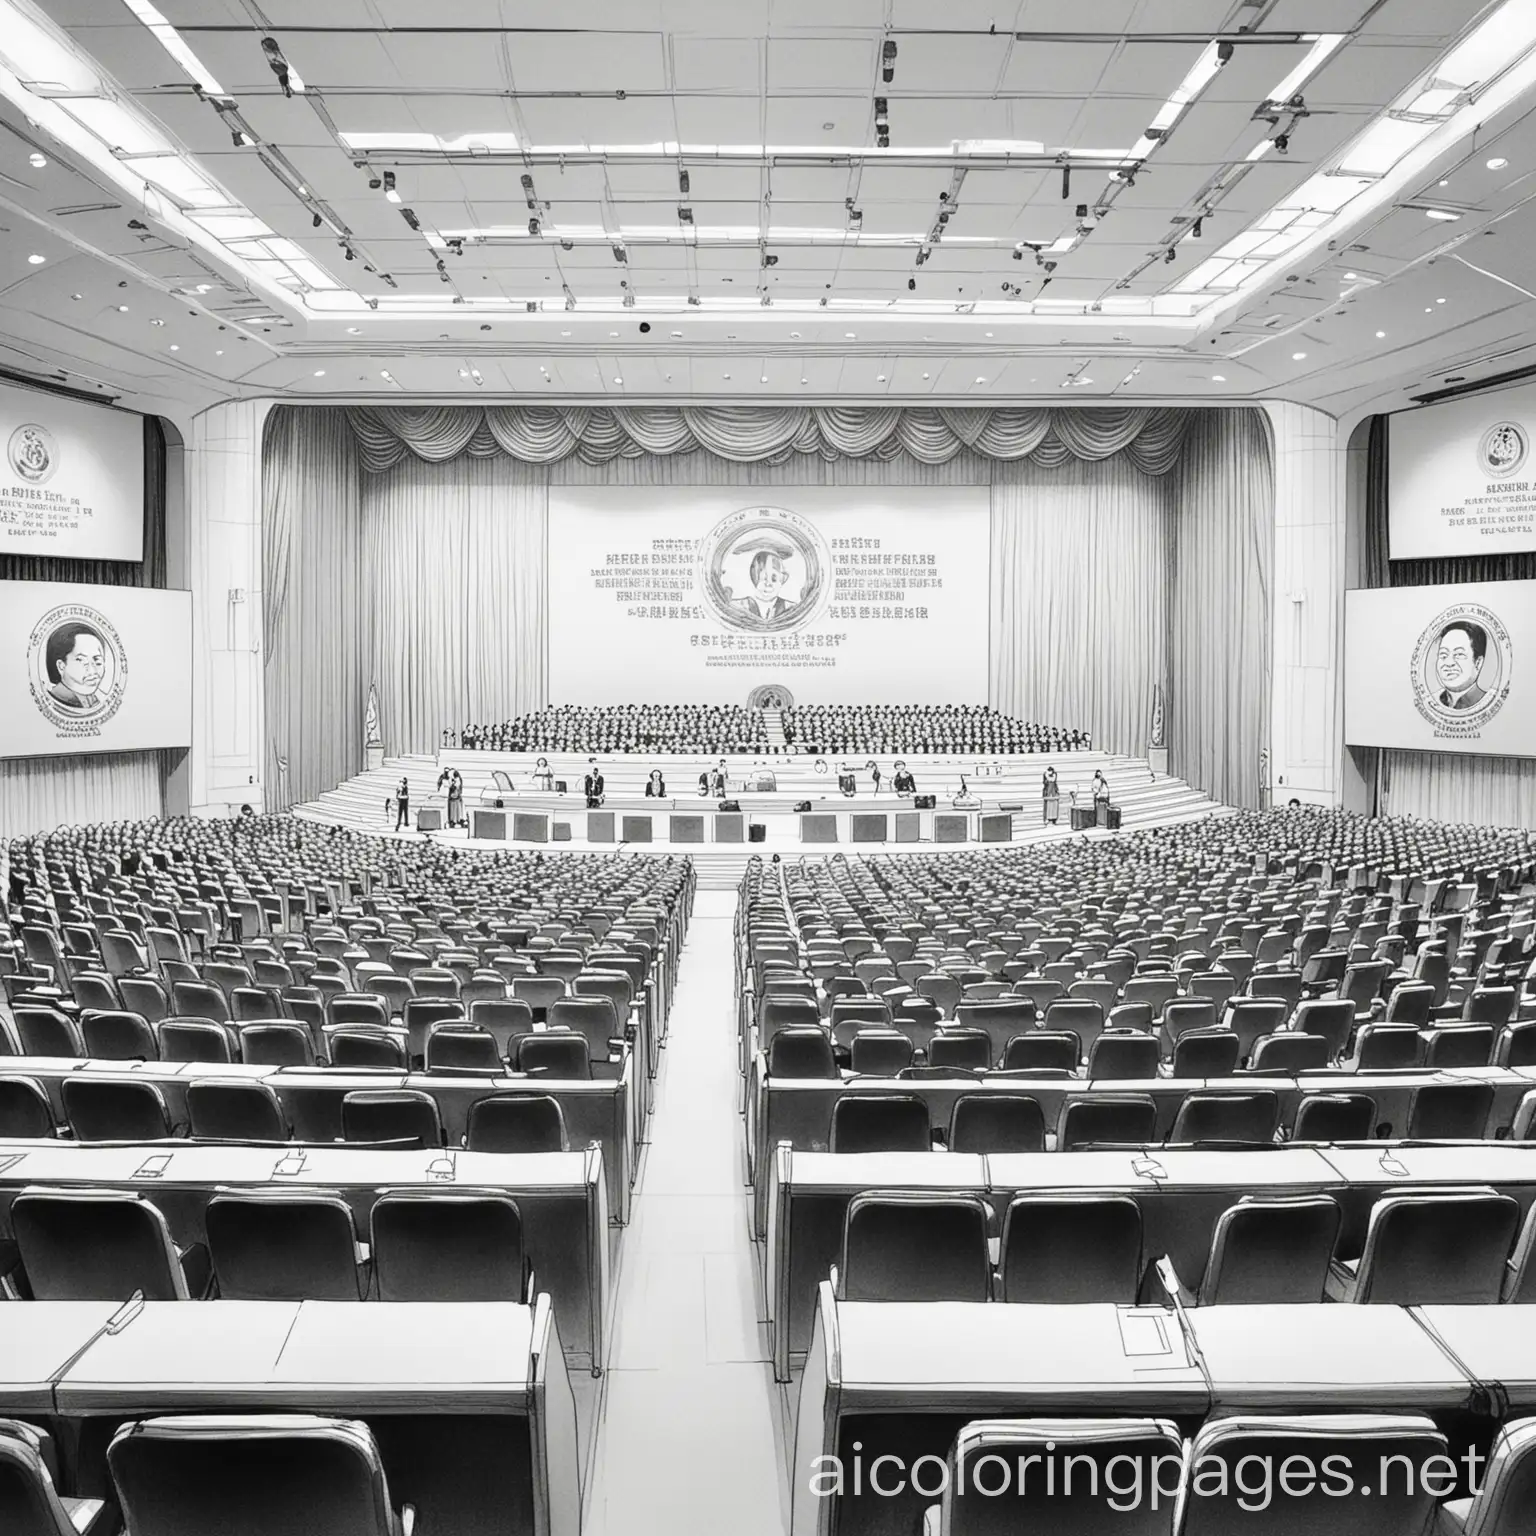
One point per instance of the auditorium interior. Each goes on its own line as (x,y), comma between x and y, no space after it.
(767,766)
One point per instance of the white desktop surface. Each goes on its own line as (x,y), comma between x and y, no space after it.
(824,1173)
(1323,1356)
(1491,1162)
(36,1340)
(911,1357)
(1495,1343)
(1190,1169)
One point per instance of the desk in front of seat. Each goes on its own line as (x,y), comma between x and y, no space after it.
(561,1196)
(470,1402)
(603,1110)
(1367,1170)
(38,1339)
(1496,1344)
(902,1378)
(1329,1357)
(1181,1198)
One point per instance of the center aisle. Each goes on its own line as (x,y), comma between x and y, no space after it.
(690,1434)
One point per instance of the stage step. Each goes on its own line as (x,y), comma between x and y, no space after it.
(773,724)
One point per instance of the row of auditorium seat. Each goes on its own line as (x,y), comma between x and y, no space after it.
(240,1109)
(996,1122)
(499,1037)
(1457,1247)
(268,1244)
(1142,1477)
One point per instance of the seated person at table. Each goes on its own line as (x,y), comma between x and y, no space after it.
(712,781)
(592,786)
(903,782)
(655,786)
(542,777)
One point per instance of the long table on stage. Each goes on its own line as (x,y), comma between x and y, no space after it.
(535,817)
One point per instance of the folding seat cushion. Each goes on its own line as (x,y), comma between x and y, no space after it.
(440,1245)
(996,1122)
(1071,1248)
(564,1055)
(391,1114)
(1449,1111)
(1271,1250)
(915,1246)
(1073,1467)
(25,1111)
(251,1476)
(1334,1117)
(284,1245)
(1233,1117)
(1123,1119)
(366,1048)
(1352,1447)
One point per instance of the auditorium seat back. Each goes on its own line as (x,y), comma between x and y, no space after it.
(1433,1249)
(236,1110)
(95,1245)
(440,1245)
(996,1122)
(1268,1250)
(915,1246)
(284,1245)
(25,1112)
(1071,1248)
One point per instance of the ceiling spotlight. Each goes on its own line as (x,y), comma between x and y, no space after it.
(122,309)
(279,66)
(354,330)
(389,187)
(979,379)
(463,373)
(384,373)
(888,60)
(174,347)
(1439,301)
(682,182)
(37,160)
(1282,143)
(1218,378)
(36,260)
(1172,255)
(1496,164)
(77,296)
(1197,228)
(351,254)
(238,139)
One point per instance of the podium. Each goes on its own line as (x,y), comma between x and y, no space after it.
(1082,818)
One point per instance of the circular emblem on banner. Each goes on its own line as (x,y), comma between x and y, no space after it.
(771,696)
(1461,667)
(764,570)
(76,666)
(32,453)
(1502,449)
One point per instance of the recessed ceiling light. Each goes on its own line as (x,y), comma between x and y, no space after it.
(1350,277)
(157,322)
(848,336)
(925,375)
(676,335)
(37,160)
(76,296)
(219,353)
(613,335)
(1219,378)
(1381,335)
(617,379)
(802,381)
(1298,357)
(1444,215)
(383,373)
(880,378)
(36,260)
(565,333)
(725,375)
(1439,301)
(175,347)
(122,309)
(1429,309)
(1445,183)
(319,373)
(764,379)
(354,330)
(1497,163)
(979,379)
(989,335)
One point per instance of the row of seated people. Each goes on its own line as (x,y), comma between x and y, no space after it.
(712,728)
(947,729)
(1142,1476)
(1464,1247)
(237,1474)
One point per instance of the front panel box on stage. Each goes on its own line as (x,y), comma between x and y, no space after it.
(1082,817)
(731,828)
(997,827)
(909,827)
(489,825)
(562,831)
(636,829)
(867,827)
(950,828)
(687,829)
(530,827)
(818,827)
(429,819)
(599,826)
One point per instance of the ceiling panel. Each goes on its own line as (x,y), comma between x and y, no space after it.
(717,64)
(588,61)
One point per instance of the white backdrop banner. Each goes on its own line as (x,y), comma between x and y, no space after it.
(818,595)
(72,480)
(1462,477)
(1442,669)
(93,669)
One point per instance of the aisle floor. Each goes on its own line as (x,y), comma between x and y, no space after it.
(691,1428)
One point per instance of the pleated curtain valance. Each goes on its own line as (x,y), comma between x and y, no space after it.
(1152,438)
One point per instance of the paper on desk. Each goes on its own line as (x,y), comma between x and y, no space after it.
(1152,1338)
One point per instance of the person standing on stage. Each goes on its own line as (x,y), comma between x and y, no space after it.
(456,816)
(1050,795)
(593,786)
(403,804)
(903,783)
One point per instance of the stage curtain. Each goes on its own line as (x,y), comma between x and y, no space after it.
(387,435)
(38,794)
(314,688)
(454,577)
(1079,618)
(1220,583)
(1460,787)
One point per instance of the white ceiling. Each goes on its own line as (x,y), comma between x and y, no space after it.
(1074,77)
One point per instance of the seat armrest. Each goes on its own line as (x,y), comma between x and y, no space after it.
(932,1520)
(1173,1287)
(1342,1281)
(1451,1517)
(407,1519)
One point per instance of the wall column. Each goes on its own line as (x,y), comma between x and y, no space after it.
(216,553)
(1306,727)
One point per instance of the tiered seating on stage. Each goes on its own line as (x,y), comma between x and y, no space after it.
(715,729)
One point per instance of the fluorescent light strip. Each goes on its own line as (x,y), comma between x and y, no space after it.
(175,45)
(1326,45)
(719,234)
